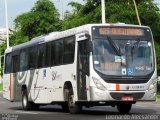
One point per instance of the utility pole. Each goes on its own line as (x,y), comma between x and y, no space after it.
(103,12)
(135,5)
(62,8)
(6,16)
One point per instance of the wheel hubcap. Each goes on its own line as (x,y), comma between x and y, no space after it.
(71,101)
(24,101)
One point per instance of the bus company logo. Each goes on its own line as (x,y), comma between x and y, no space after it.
(127,87)
(54,75)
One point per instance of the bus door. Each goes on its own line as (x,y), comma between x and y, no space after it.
(16,88)
(82,69)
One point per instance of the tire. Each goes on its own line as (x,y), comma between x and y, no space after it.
(34,106)
(124,108)
(74,108)
(25,103)
(65,107)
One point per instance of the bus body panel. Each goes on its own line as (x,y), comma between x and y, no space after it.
(6,87)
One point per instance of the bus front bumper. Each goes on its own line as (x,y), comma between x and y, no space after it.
(107,95)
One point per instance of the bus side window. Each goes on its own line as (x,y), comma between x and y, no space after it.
(69,50)
(57,53)
(32,57)
(53,53)
(41,56)
(48,55)
(15,64)
(23,60)
(8,63)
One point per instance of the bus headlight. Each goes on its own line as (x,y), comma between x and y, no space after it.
(152,86)
(98,84)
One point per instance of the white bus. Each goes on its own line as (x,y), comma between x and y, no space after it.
(91,65)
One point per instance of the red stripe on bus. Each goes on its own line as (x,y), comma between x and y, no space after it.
(117,87)
(10,86)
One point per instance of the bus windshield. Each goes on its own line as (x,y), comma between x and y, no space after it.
(122,57)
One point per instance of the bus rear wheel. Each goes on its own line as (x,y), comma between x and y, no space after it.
(74,107)
(65,107)
(25,103)
(34,106)
(124,108)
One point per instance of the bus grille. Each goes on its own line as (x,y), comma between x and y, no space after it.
(118,96)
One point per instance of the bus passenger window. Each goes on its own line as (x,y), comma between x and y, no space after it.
(48,55)
(69,50)
(53,54)
(23,60)
(8,64)
(41,56)
(32,57)
(57,53)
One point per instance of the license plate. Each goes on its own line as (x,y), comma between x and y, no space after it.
(127,98)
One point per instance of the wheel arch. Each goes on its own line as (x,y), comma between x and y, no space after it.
(67,86)
(23,88)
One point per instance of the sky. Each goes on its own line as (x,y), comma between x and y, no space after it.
(17,7)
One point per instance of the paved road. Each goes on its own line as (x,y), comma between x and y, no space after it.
(14,110)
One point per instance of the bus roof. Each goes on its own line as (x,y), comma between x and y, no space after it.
(58,35)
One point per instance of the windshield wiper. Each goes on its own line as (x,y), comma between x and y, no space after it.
(136,45)
(116,50)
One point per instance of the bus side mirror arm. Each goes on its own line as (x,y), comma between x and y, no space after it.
(82,37)
(90,46)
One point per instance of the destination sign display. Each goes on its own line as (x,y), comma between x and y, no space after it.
(121,31)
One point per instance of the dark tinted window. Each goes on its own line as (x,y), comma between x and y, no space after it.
(23,60)
(57,52)
(53,53)
(48,55)
(15,63)
(41,56)
(8,63)
(69,50)
(32,57)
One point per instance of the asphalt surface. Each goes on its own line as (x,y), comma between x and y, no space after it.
(140,111)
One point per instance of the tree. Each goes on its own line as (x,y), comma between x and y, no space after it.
(116,11)
(42,19)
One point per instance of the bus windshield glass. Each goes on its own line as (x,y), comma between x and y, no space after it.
(123,56)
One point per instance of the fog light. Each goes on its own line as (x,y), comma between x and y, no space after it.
(151,87)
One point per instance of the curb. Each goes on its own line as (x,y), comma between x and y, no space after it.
(156,102)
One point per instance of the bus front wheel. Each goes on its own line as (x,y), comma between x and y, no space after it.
(74,107)
(25,103)
(124,108)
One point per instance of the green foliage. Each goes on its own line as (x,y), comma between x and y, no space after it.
(158,97)
(157,46)
(1,87)
(42,19)
(116,11)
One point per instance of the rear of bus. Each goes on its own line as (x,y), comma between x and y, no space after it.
(7,81)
